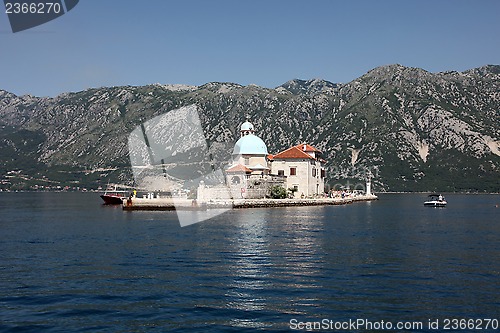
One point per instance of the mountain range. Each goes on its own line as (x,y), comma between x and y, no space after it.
(406,128)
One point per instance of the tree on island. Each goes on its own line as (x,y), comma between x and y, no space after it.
(278,192)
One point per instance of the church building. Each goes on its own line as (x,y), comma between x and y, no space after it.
(300,168)
(250,151)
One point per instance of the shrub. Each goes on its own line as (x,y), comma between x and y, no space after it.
(278,192)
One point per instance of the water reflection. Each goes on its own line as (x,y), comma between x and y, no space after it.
(300,246)
(251,259)
(277,252)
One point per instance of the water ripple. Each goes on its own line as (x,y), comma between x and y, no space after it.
(68,266)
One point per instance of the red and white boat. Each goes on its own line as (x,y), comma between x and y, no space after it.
(114,196)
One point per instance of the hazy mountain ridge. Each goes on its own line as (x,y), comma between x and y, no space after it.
(413,130)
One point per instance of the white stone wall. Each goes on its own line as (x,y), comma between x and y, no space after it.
(255,187)
(307,184)
(211,193)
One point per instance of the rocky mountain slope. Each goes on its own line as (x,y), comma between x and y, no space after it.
(409,129)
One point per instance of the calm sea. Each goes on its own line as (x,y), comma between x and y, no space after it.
(69,264)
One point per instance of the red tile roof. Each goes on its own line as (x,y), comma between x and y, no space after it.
(309,148)
(292,153)
(238,168)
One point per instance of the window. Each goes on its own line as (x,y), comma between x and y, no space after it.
(323,173)
(293,171)
(281,172)
(314,172)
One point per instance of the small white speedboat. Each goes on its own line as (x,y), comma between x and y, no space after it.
(435,200)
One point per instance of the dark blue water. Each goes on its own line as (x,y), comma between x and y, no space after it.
(69,264)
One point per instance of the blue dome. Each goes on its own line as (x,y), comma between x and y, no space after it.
(250,144)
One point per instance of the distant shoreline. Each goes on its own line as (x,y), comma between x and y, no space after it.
(388,192)
(442,192)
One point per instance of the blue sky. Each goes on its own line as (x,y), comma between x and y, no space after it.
(108,43)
